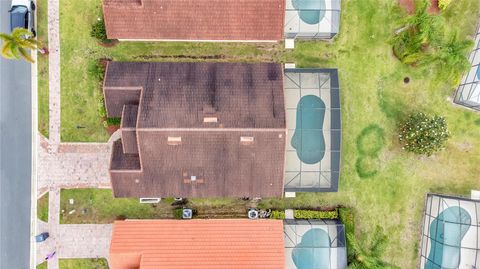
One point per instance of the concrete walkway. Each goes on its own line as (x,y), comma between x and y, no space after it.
(67,165)
(73,165)
(70,240)
(54,72)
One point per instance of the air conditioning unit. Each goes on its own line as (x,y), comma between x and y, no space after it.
(252,213)
(187,213)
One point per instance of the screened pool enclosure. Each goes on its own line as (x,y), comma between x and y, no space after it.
(313,19)
(468,93)
(312,101)
(315,244)
(451,233)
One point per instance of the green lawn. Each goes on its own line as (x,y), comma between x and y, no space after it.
(42,65)
(43,265)
(372,93)
(42,208)
(83,264)
(99,206)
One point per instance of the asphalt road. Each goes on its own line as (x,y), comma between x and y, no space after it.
(15,157)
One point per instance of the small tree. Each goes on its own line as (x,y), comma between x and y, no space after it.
(423,134)
(16,45)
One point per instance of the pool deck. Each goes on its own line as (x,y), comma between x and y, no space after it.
(323,175)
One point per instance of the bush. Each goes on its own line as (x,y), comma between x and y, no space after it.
(443,4)
(102,112)
(277,214)
(311,214)
(419,33)
(98,31)
(96,70)
(178,213)
(113,121)
(423,134)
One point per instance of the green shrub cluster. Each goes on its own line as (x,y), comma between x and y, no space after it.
(98,31)
(421,41)
(113,121)
(423,134)
(178,213)
(311,214)
(276,214)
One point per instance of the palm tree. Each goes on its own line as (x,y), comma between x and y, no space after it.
(16,45)
(420,32)
(368,256)
(451,57)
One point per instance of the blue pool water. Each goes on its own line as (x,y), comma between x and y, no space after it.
(446,232)
(308,138)
(310,11)
(313,251)
(478,72)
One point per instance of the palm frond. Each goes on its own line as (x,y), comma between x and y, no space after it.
(7,51)
(26,55)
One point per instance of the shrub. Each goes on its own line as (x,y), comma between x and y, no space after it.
(98,31)
(423,134)
(277,214)
(96,70)
(311,214)
(443,4)
(178,213)
(419,32)
(113,121)
(102,112)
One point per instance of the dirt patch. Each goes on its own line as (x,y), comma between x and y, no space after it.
(409,6)
(109,44)
(112,129)
(103,62)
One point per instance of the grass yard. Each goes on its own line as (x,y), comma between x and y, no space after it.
(83,264)
(43,265)
(42,208)
(99,206)
(373,94)
(42,65)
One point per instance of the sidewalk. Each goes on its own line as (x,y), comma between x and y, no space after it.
(70,240)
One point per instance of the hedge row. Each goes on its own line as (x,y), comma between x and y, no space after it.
(310,214)
(306,214)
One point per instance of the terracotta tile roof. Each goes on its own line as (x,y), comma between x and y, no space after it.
(194,19)
(197,244)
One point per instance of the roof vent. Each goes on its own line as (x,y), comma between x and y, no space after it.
(247,140)
(210,119)
(174,140)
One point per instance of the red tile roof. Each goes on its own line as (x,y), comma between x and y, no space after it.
(197,244)
(194,19)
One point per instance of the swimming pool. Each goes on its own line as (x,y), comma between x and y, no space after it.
(446,233)
(310,11)
(478,72)
(308,139)
(313,251)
